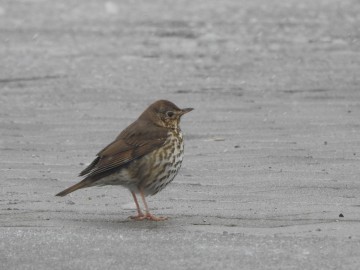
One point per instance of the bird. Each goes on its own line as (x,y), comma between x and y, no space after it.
(144,158)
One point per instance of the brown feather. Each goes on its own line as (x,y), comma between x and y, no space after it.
(139,139)
(148,133)
(90,167)
(77,186)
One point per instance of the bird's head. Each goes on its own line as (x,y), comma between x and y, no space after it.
(164,113)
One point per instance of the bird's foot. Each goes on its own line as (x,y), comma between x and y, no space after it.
(140,216)
(155,218)
(148,217)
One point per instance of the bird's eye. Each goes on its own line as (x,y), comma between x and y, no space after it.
(169,114)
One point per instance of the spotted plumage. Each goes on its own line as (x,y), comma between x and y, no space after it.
(144,158)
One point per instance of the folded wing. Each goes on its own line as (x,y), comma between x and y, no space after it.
(128,146)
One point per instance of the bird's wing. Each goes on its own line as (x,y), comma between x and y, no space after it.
(135,141)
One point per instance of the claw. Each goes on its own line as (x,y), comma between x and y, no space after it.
(140,216)
(148,217)
(155,218)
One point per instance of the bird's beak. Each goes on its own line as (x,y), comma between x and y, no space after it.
(186,110)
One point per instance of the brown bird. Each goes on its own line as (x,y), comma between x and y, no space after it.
(144,158)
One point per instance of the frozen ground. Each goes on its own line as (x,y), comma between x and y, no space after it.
(271,173)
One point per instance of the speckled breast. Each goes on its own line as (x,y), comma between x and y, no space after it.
(152,172)
(161,166)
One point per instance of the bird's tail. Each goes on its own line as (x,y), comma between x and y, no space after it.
(77,186)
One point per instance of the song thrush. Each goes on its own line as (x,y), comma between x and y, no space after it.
(144,158)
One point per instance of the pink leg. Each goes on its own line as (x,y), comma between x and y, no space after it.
(148,215)
(140,213)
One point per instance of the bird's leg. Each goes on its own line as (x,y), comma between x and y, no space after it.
(140,213)
(148,215)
